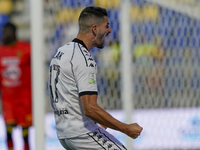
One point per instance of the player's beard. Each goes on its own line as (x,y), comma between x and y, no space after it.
(100,41)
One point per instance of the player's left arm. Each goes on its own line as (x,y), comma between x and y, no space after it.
(95,112)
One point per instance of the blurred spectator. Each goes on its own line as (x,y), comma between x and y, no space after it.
(15,74)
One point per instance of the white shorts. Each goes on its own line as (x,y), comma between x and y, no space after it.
(96,140)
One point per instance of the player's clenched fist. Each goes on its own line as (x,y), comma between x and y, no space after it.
(133,130)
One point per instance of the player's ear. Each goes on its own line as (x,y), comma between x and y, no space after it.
(94,29)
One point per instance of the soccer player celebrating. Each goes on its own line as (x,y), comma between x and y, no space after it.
(15,83)
(73,90)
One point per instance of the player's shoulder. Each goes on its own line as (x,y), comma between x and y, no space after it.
(67,48)
(23,46)
(72,49)
(23,43)
(2,50)
(77,53)
(64,53)
(83,57)
(1,46)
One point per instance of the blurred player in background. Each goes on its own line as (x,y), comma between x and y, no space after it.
(15,73)
(74,92)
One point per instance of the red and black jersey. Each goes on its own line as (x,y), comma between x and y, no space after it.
(15,70)
(15,83)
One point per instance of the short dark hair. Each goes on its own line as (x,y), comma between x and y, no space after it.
(89,16)
(9,33)
(10,26)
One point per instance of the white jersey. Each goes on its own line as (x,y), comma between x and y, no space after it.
(72,74)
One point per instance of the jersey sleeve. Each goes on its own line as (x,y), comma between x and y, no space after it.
(86,79)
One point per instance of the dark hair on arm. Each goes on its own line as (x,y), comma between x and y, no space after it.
(89,16)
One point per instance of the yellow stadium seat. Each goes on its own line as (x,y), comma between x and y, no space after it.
(108,4)
(146,12)
(65,15)
(76,14)
(135,13)
(6,6)
(151,12)
(116,3)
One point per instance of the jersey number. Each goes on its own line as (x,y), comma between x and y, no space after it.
(54,69)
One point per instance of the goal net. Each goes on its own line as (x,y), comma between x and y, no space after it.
(166,54)
(63,25)
(165,59)
(165,42)
(165,50)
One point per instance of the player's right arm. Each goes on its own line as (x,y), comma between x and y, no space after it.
(95,112)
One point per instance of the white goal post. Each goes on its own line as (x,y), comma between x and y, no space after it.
(38,81)
(126,65)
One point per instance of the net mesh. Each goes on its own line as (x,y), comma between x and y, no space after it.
(165,59)
(165,50)
(62,21)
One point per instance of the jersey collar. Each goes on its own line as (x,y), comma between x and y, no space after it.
(79,41)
